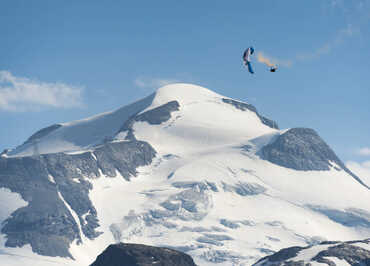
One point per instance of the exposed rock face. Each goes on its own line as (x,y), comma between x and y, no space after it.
(300,149)
(154,116)
(54,184)
(141,255)
(246,106)
(283,256)
(160,114)
(123,156)
(356,253)
(303,149)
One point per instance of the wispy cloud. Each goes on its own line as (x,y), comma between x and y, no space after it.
(363,151)
(354,16)
(327,47)
(153,83)
(20,94)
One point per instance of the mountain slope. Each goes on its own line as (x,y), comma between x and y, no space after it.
(79,135)
(184,168)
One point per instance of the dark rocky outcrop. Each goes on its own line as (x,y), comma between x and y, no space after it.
(154,116)
(245,106)
(141,255)
(350,252)
(282,257)
(123,156)
(300,149)
(53,183)
(160,114)
(303,149)
(354,255)
(45,223)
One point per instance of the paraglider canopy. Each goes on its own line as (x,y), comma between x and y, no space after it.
(247,58)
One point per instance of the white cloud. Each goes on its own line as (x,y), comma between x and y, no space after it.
(364,151)
(24,94)
(362,170)
(153,83)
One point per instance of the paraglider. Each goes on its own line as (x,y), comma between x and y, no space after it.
(247,58)
(260,57)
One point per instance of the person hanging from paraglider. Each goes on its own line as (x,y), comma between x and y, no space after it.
(273,69)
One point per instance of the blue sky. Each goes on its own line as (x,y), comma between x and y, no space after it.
(66,60)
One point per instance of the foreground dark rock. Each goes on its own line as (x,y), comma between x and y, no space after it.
(141,255)
(356,253)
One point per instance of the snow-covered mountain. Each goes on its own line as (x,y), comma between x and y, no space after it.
(184,168)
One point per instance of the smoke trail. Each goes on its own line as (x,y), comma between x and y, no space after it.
(272,62)
(264,59)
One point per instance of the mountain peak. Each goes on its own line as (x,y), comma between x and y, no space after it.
(182,92)
(195,113)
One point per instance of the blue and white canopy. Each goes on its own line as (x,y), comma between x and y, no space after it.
(247,58)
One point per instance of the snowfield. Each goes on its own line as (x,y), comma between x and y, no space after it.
(208,192)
